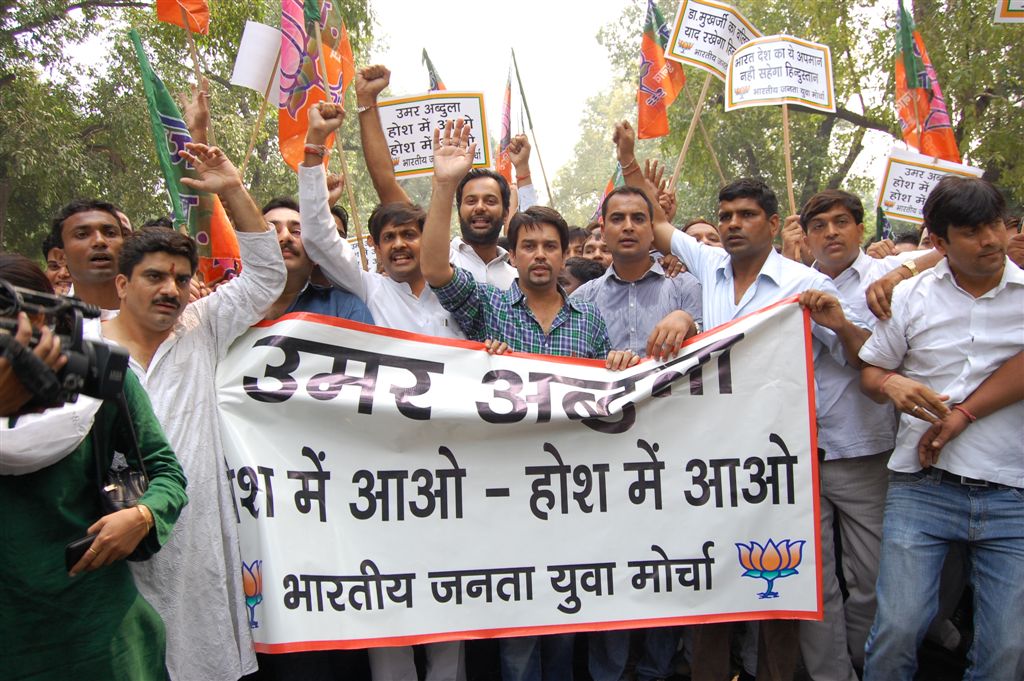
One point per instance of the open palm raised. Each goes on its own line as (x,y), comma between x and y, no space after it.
(453,154)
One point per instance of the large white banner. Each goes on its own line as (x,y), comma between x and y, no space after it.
(706,33)
(393,488)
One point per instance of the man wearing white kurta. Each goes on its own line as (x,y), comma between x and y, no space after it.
(195,582)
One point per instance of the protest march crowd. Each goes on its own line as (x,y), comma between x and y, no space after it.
(917,352)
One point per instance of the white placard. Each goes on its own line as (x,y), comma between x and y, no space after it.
(706,33)
(909,178)
(395,489)
(256,63)
(1009,12)
(409,124)
(780,69)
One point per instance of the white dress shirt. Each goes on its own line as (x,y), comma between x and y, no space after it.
(497,272)
(392,303)
(947,339)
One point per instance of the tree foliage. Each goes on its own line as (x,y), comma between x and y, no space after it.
(980,68)
(67,130)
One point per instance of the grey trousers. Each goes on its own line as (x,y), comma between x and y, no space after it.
(445,662)
(854,491)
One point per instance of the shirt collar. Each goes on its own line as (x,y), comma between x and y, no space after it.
(861,265)
(1011,275)
(464,248)
(655,270)
(517,297)
(772,267)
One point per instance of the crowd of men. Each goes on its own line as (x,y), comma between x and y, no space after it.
(917,361)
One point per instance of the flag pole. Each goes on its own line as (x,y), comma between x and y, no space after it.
(341,151)
(707,141)
(689,133)
(195,66)
(789,158)
(262,114)
(529,119)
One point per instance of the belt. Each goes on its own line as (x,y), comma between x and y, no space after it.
(972,482)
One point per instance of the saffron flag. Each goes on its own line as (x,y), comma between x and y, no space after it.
(302,73)
(196,14)
(660,80)
(922,109)
(436,84)
(616,180)
(504,160)
(201,213)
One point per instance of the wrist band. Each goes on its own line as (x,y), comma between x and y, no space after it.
(145,518)
(315,150)
(363,109)
(629,166)
(963,410)
(912,266)
(520,178)
(887,377)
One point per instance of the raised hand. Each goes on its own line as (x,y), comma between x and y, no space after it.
(217,174)
(794,241)
(370,82)
(453,154)
(195,109)
(335,188)
(324,119)
(519,154)
(624,139)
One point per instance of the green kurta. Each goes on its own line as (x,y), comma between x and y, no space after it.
(96,625)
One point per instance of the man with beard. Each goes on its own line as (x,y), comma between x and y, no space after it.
(482,197)
(195,582)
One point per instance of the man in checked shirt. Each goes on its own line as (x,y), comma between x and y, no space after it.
(533,315)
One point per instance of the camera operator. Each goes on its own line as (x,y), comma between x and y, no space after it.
(91,622)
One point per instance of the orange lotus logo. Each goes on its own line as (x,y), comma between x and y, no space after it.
(252,586)
(685,45)
(770,562)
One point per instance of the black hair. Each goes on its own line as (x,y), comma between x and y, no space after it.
(155,240)
(162,221)
(280,202)
(578,234)
(22,272)
(342,214)
(584,269)
(826,200)
(48,245)
(908,238)
(961,202)
(476,173)
(627,190)
(751,188)
(397,213)
(79,206)
(535,216)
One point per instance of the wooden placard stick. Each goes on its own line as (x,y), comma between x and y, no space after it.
(195,65)
(689,133)
(353,212)
(789,169)
(261,115)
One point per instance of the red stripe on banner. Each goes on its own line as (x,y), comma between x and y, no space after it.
(812,424)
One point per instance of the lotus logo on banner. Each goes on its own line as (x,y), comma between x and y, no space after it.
(771,561)
(252,585)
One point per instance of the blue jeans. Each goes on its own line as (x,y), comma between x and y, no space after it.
(609,651)
(924,515)
(536,658)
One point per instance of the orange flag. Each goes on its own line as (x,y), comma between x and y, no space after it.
(661,81)
(196,11)
(303,74)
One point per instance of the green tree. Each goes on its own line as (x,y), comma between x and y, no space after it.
(68,131)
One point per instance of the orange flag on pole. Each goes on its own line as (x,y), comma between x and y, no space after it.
(302,74)
(661,81)
(196,11)
(504,160)
(924,118)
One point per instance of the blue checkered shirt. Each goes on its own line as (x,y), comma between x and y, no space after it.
(484,311)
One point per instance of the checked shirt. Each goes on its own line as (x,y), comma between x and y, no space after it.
(484,311)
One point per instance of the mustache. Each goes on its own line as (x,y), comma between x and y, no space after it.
(168,300)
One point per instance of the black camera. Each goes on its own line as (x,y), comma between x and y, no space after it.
(93,368)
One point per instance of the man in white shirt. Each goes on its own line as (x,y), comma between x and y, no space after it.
(483,197)
(195,581)
(855,438)
(951,328)
(399,300)
(744,277)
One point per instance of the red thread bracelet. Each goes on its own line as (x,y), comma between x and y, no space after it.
(963,410)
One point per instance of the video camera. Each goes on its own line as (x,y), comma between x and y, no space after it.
(93,368)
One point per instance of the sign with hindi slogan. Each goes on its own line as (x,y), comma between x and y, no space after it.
(780,69)
(909,178)
(409,124)
(706,33)
(1009,11)
(395,489)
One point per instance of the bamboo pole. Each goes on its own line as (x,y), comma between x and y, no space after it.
(689,133)
(341,154)
(529,119)
(196,67)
